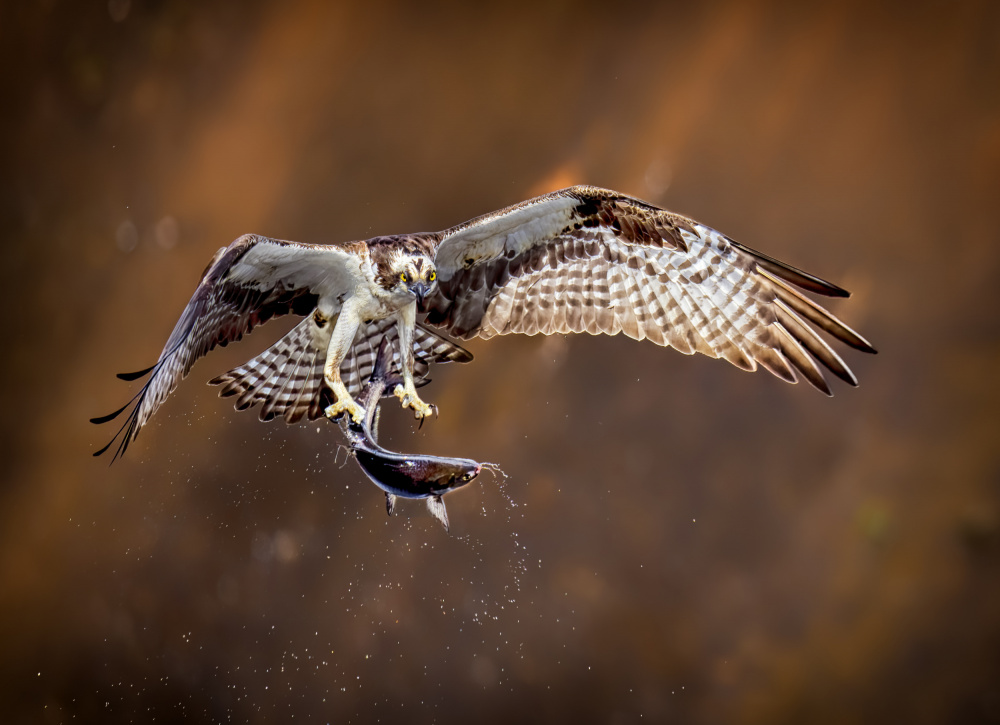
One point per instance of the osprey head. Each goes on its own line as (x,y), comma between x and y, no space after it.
(413,272)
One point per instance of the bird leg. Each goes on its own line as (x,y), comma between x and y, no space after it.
(406,320)
(344,403)
(344,331)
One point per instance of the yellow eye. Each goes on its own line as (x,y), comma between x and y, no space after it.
(402,276)
(431,276)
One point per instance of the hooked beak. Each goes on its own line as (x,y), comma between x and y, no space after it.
(420,290)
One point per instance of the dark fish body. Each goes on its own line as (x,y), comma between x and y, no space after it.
(402,475)
(414,476)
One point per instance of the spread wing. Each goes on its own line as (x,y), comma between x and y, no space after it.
(247,283)
(592,260)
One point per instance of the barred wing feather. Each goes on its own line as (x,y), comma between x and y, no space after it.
(247,283)
(592,260)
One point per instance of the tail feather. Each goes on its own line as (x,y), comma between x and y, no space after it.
(287,384)
(287,378)
(279,378)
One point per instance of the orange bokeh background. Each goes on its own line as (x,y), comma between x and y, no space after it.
(675,540)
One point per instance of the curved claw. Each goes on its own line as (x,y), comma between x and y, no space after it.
(335,411)
(410,399)
(420,409)
(431,407)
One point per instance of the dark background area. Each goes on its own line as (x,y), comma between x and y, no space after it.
(676,541)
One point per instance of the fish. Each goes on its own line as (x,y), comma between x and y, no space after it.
(401,475)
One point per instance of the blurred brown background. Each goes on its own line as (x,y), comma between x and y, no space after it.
(676,541)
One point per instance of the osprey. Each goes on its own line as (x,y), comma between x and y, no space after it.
(582,259)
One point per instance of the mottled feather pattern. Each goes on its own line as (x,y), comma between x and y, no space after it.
(227,304)
(386,250)
(613,264)
(428,347)
(600,285)
(287,378)
(581,259)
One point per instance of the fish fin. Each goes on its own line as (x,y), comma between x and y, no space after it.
(383,360)
(390,502)
(435,504)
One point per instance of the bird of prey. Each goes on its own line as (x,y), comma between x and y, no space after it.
(582,259)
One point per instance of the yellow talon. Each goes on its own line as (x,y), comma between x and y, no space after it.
(348,406)
(411,400)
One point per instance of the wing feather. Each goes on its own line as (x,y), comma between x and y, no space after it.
(716,321)
(793,351)
(771,359)
(247,283)
(818,316)
(813,343)
(588,259)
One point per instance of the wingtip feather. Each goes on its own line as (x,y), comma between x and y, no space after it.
(101,419)
(792,274)
(100,452)
(137,374)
